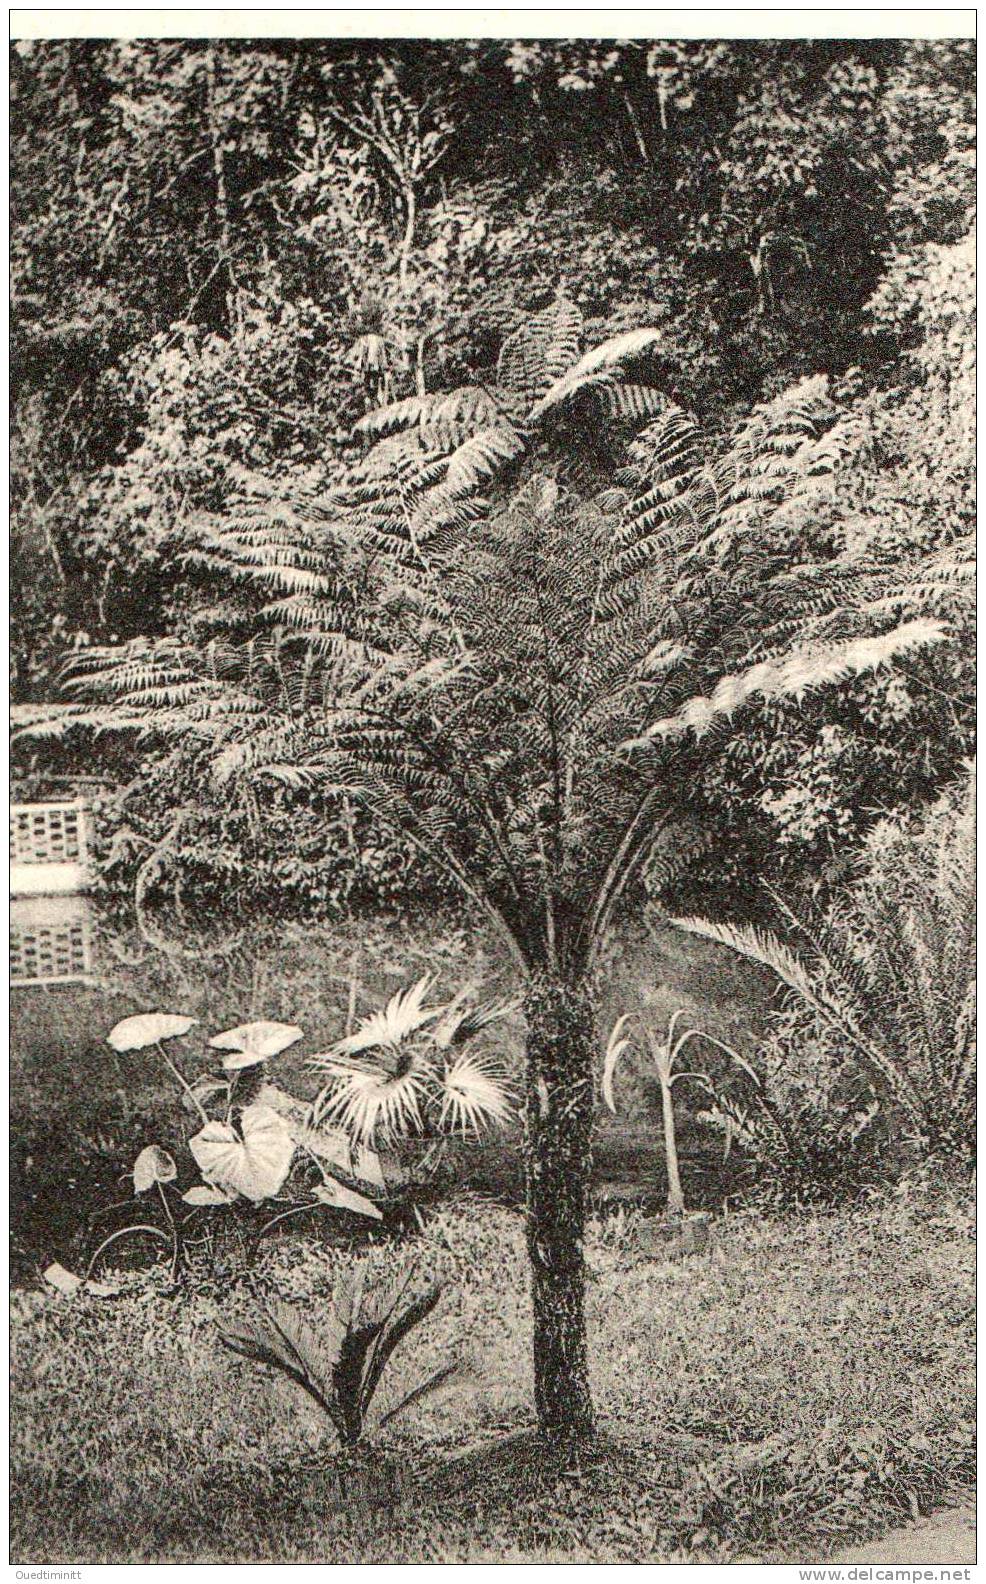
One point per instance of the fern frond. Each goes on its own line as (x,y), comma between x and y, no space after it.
(793,676)
(540,350)
(469,407)
(608,355)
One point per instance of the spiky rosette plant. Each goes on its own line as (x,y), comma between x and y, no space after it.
(411,1070)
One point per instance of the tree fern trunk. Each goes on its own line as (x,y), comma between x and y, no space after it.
(558,1160)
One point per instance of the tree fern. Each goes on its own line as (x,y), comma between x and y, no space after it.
(488,673)
(507,672)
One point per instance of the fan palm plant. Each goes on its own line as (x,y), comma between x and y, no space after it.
(523,679)
(405,1069)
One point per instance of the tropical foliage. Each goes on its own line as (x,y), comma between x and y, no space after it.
(887,977)
(399,501)
(528,716)
(340,1366)
(251,1136)
(255,1144)
(665,1054)
(264,241)
(411,1069)
(525,683)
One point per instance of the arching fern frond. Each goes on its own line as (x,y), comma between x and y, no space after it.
(601,359)
(793,675)
(467,407)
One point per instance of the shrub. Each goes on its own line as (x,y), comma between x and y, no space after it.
(252,1134)
(812,1129)
(886,978)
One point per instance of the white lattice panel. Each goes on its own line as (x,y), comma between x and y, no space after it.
(47,833)
(50,940)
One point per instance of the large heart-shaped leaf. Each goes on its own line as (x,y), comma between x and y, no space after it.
(254,1042)
(153,1165)
(253,1162)
(146,1028)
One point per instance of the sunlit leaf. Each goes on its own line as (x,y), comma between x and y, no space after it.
(615,1046)
(206,1194)
(403,1015)
(153,1165)
(474,1094)
(333,1193)
(375,1105)
(254,1042)
(254,1164)
(147,1028)
(286,1105)
(65,1281)
(368,1167)
(330,1145)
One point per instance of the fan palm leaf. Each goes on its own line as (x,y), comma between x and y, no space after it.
(474,1094)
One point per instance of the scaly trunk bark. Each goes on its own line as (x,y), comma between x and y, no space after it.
(558,1142)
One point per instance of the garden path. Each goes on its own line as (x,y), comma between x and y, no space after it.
(945,1539)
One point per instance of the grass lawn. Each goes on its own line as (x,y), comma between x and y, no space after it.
(802,1383)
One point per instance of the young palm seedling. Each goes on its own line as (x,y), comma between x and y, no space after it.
(340,1366)
(665,1054)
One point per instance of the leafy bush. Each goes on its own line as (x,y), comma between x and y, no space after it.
(888,974)
(812,1128)
(255,1138)
(251,1135)
(168,835)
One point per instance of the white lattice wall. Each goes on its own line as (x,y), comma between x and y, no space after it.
(50,940)
(47,833)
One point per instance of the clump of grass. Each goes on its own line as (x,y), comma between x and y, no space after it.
(804,1382)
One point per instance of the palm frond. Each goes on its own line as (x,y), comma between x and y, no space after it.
(474,1094)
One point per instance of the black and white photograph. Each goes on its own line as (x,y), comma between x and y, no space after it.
(491,631)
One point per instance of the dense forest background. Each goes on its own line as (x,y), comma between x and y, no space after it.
(225,254)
